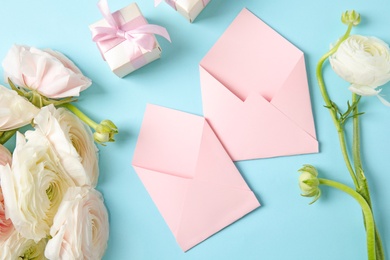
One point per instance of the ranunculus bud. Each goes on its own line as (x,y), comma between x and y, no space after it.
(308,182)
(350,17)
(105,132)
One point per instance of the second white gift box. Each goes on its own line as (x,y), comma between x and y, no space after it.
(190,9)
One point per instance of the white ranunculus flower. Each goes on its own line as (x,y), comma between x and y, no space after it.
(48,72)
(364,62)
(72,142)
(80,228)
(18,247)
(81,136)
(33,187)
(15,111)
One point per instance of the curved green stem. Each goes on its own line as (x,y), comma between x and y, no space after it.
(368,217)
(363,188)
(81,115)
(330,104)
(320,63)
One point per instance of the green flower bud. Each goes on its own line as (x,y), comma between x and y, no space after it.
(308,182)
(350,17)
(105,132)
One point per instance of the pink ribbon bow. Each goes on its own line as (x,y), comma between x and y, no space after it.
(138,34)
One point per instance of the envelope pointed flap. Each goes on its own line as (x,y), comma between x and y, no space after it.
(267,121)
(251,57)
(169,141)
(293,98)
(167,192)
(214,164)
(209,208)
(212,88)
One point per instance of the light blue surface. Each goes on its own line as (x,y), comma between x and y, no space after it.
(285,227)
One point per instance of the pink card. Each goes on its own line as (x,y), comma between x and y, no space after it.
(255,92)
(188,174)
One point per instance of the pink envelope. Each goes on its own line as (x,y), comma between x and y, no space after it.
(255,92)
(188,174)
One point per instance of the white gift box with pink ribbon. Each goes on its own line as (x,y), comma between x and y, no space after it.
(190,9)
(125,39)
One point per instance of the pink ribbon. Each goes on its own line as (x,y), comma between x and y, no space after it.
(173,2)
(137,32)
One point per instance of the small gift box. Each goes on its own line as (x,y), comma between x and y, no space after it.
(125,39)
(190,9)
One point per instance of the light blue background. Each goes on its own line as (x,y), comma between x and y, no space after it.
(285,227)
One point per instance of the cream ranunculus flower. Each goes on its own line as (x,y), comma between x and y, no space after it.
(15,111)
(80,228)
(364,62)
(80,135)
(72,141)
(48,72)
(33,187)
(19,247)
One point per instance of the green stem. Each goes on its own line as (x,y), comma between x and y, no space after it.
(5,136)
(344,151)
(81,115)
(363,188)
(368,217)
(320,79)
(329,103)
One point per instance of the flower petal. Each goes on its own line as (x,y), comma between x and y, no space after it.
(363,90)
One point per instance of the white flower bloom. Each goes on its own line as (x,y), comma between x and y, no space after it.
(72,142)
(81,136)
(80,228)
(34,187)
(19,247)
(50,73)
(364,62)
(15,111)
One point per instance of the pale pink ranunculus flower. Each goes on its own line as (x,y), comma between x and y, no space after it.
(15,111)
(48,72)
(5,156)
(6,226)
(80,228)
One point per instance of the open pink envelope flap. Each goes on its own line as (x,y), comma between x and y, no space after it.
(188,174)
(255,92)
